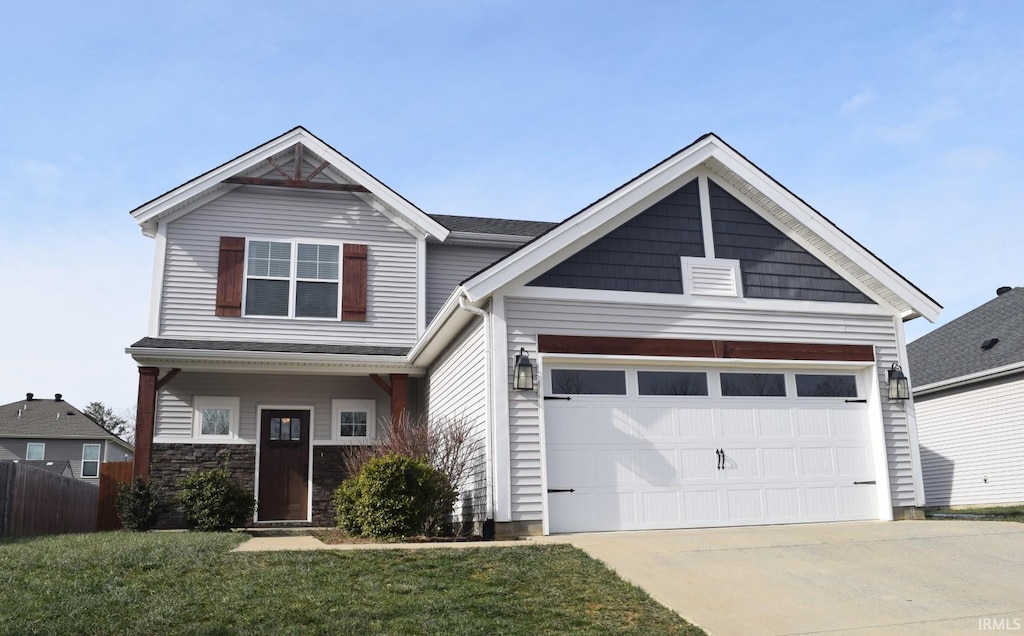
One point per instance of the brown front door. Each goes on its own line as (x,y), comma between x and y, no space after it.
(284,465)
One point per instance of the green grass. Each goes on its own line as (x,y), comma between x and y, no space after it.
(983,513)
(122,583)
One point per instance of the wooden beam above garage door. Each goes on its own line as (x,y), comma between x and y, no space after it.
(676,348)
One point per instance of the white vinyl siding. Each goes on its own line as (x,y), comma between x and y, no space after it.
(449,265)
(193,244)
(174,412)
(526,318)
(972,442)
(457,390)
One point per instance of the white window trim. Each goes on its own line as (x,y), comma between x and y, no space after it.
(200,402)
(350,405)
(98,460)
(293,278)
(42,454)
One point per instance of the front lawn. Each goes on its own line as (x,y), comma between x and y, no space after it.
(160,583)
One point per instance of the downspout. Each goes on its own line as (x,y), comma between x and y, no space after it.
(488,404)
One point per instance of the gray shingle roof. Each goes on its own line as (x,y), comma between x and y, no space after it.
(505,227)
(269,347)
(49,419)
(954,349)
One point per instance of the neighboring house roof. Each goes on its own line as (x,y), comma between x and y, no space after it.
(953,353)
(51,419)
(261,161)
(50,466)
(801,221)
(270,347)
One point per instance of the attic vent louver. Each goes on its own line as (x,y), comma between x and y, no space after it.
(988,344)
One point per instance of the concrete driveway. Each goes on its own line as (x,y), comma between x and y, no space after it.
(906,577)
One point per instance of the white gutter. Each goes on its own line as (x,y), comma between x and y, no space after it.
(437,324)
(971,378)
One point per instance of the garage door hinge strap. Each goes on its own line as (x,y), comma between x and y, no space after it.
(556,397)
(561,490)
(856,401)
(861,483)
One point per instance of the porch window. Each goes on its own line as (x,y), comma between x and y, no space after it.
(292,279)
(35,451)
(90,460)
(353,421)
(215,417)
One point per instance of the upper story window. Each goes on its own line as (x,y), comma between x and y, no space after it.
(35,451)
(292,279)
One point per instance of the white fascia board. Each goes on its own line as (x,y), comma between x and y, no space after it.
(447,324)
(270,361)
(183,193)
(157,283)
(703,363)
(588,224)
(482,238)
(693,302)
(827,231)
(971,378)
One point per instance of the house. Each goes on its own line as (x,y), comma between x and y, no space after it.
(49,434)
(969,392)
(699,347)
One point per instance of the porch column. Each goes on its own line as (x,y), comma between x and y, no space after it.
(399,396)
(145,417)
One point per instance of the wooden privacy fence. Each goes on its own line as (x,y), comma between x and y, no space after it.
(34,501)
(112,475)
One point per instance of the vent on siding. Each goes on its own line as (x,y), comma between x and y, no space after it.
(711,277)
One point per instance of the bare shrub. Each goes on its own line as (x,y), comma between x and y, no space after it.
(447,443)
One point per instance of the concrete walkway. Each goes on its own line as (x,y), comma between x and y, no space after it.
(908,577)
(275,544)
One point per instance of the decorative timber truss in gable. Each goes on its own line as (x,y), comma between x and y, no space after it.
(296,179)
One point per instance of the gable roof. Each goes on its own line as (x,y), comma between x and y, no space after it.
(954,350)
(190,194)
(51,419)
(834,246)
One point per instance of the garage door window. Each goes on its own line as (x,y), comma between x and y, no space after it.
(588,382)
(826,385)
(672,383)
(754,384)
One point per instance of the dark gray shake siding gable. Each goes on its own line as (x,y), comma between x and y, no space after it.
(773,266)
(641,255)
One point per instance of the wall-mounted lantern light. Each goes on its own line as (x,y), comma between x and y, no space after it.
(899,386)
(522,371)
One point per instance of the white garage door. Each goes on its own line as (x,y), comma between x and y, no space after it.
(653,448)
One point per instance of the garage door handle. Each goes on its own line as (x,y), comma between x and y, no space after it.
(721,458)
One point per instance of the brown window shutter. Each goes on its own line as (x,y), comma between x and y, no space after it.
(353,286)
(230,270)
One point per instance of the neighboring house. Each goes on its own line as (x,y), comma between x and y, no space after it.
(708,350)
(51,433)
(969,391)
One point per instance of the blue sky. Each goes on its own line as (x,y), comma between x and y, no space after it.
(901,122)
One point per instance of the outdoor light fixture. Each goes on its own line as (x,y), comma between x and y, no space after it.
(522,371)
(899,386)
